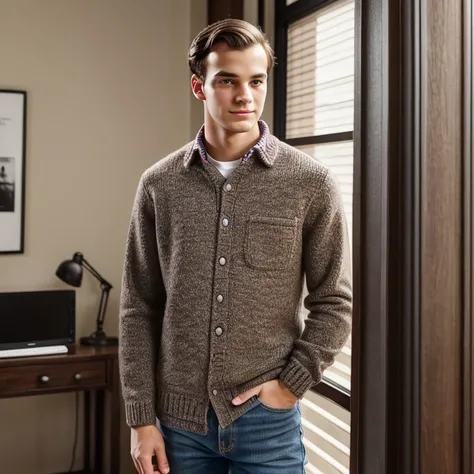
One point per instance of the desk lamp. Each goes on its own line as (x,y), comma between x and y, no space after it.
(70,271)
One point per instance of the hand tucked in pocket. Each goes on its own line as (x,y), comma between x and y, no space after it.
(273,393)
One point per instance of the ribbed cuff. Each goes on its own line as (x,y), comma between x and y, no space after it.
(297,378)
(140,413)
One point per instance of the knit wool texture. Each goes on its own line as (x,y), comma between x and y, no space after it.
(181,347)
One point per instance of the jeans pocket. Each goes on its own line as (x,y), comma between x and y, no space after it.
(275,409)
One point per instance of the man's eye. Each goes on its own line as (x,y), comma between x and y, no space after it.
(257,82)
(225,81)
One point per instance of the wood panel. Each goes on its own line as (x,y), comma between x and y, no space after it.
(468,241)
(369,347)
(413,281)
(441,204)
(221,9)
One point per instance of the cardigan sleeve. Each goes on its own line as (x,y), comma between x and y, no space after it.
(326,260)
(142,304)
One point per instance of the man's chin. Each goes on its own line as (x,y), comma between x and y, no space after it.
(243,126)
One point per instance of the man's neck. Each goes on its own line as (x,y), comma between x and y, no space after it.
(224,146)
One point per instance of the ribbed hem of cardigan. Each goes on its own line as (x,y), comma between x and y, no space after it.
(297,378)
(140,413)
(172,422)
(187,413)
(183,407)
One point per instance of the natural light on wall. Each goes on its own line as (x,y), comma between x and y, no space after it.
(320,103)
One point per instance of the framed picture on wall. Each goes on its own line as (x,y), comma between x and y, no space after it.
(12,170)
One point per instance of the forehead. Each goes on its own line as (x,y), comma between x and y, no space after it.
(252,60)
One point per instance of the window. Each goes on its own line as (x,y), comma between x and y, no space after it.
(326,428)
(314,111)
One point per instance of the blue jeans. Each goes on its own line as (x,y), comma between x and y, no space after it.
(263,440)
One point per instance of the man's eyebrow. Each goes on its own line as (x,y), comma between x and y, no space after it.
(261,75)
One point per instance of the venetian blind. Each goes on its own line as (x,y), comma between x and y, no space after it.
(320,103)
(320,72)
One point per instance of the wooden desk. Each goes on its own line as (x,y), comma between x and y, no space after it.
(84,369)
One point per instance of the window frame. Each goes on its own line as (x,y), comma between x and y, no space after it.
(284,16)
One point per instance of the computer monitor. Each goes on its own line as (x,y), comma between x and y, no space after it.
(37,318)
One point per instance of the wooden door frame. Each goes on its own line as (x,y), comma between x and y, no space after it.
(414,206)
(468,240)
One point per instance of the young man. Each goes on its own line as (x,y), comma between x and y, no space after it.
(222,233)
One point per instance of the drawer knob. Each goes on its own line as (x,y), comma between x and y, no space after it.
(77,376)
(44,379)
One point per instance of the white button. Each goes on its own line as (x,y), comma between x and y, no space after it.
(214,392)
(219,331)
(222,261)
(225,222)
(228,187)
(220,298)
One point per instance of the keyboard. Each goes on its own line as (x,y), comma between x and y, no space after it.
(33,351)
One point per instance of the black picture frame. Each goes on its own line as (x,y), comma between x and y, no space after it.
(13,108)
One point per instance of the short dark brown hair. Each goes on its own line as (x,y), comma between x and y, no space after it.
(237,34)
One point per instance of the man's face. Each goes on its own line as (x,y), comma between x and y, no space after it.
(235,87)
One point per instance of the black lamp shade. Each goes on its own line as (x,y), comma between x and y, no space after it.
(70,272)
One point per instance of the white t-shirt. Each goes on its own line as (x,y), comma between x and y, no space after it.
(225,167)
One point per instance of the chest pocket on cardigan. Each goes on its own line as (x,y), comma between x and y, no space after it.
(270,242)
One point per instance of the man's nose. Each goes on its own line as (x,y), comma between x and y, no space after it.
(244,95)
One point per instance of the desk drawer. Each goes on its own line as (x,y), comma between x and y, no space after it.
(36,378)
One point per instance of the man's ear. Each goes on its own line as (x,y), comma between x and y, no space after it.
(198,87)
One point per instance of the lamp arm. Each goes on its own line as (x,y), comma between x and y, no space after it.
(104,298)
(95,273)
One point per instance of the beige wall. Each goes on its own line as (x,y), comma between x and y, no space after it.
(105,82)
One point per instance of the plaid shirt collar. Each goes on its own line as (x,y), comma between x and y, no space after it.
(265,147)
